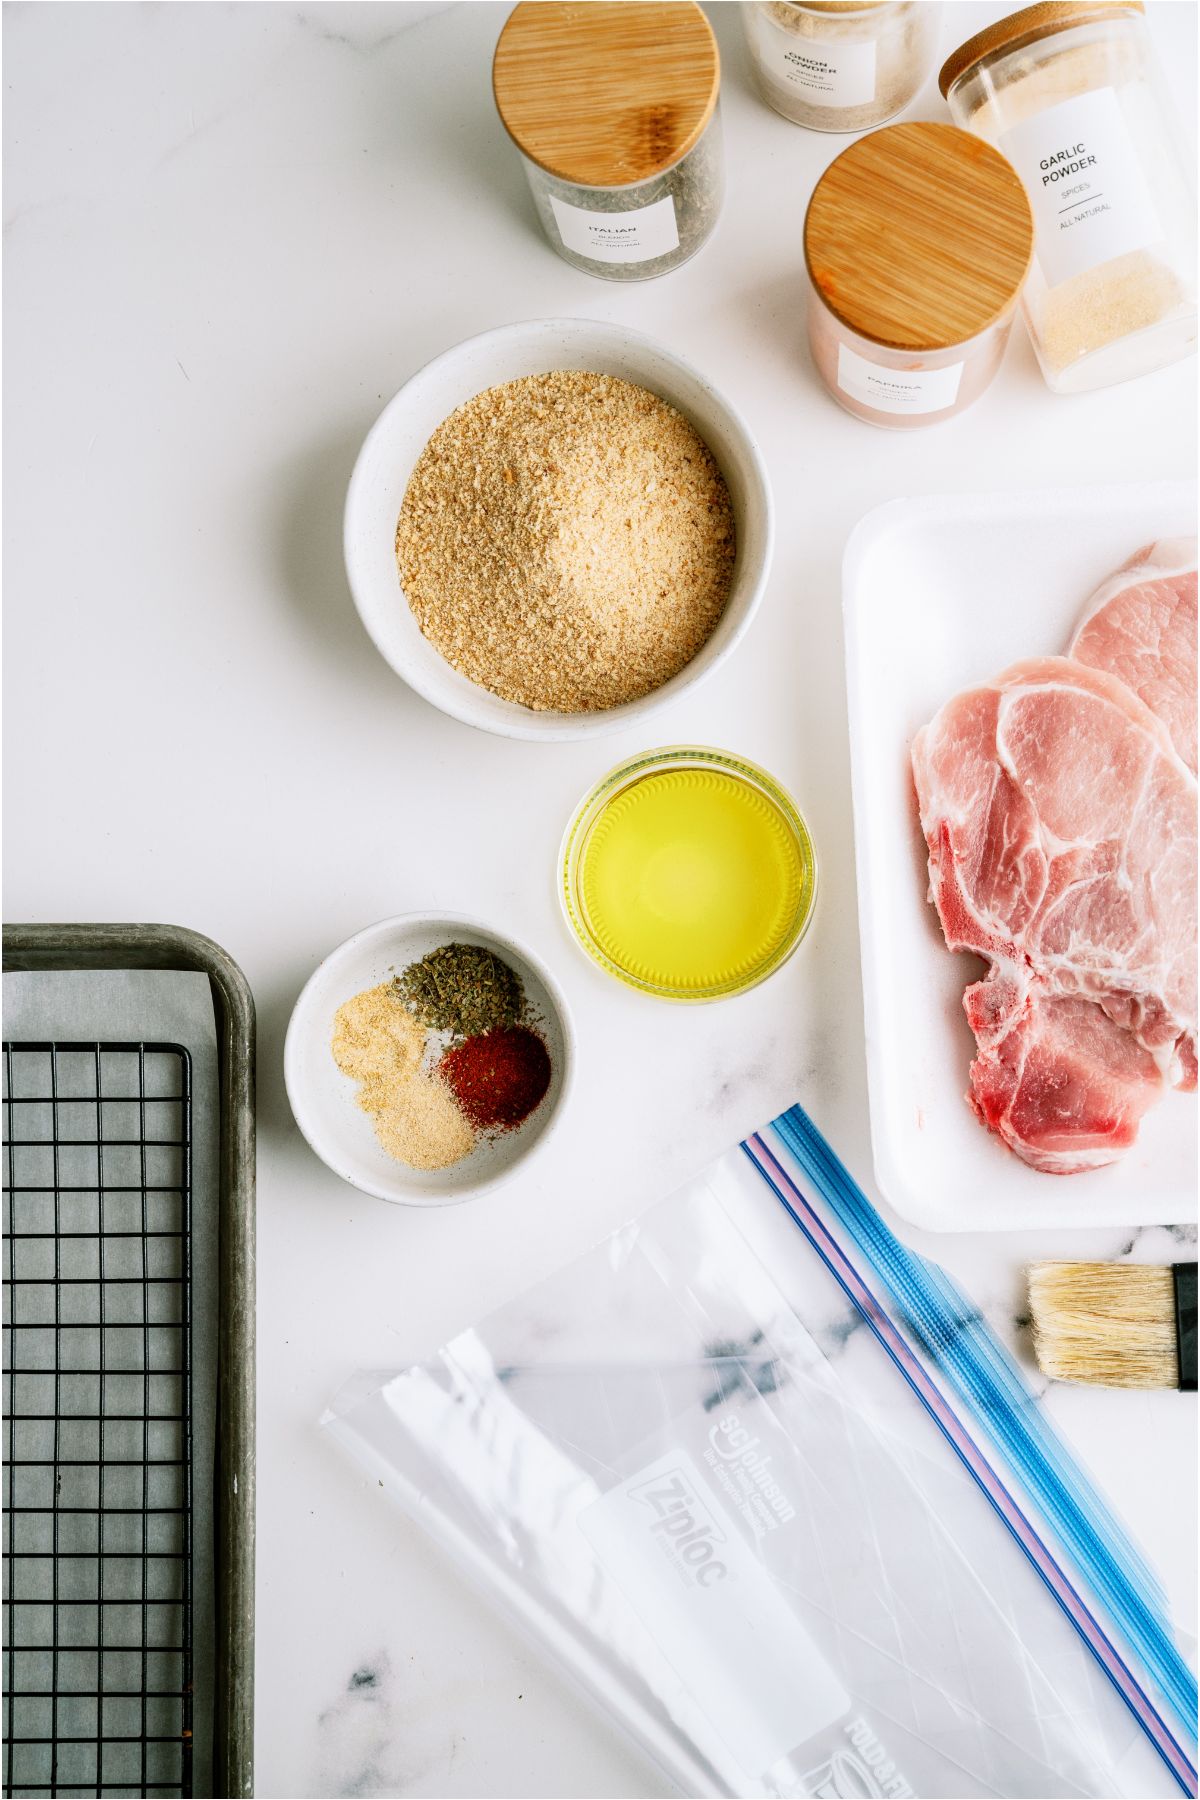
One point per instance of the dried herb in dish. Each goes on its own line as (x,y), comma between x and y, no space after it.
(463,989)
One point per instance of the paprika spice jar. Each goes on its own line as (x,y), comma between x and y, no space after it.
(918,239)
(613,106)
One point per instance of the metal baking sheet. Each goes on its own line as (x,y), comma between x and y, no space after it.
(130,1170)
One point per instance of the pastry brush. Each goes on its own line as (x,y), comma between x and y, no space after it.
(1115,1324)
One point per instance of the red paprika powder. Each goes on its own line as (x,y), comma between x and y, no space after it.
(498,1077)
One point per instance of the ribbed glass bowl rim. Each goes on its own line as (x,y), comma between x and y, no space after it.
(634,768)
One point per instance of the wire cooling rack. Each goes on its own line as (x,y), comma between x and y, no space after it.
(98,1403)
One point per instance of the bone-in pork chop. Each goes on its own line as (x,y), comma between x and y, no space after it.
(1140,625)
(1061,828)
(1059,1082)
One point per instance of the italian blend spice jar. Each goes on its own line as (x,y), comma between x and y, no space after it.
(613,107)
(1074,98)
(918,239)
(840,65)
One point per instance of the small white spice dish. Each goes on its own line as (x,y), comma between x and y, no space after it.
(324,1100)
(399,435)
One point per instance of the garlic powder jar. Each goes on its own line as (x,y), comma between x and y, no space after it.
(840,65)
(613,106)
(917,240)
(1073,96)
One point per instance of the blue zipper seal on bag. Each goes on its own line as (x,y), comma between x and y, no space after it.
(962,1345)
(955,1335)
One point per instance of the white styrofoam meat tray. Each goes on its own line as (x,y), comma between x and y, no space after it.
(940,593)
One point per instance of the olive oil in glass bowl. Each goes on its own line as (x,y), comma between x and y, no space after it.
(688,873)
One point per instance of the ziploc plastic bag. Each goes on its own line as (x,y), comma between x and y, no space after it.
(708,1496)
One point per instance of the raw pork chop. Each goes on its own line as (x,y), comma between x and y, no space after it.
(1061,828)
(1059,1082)
(1141,626)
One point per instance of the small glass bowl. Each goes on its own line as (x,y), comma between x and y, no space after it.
(593,807)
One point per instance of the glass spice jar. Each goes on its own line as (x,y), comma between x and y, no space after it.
(1073,96)
(838,66)
(917,240)
(614,108)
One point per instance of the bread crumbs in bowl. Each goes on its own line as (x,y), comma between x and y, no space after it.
(555,527)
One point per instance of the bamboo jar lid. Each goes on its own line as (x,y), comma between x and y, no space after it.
(1026,27)
(919,236)
(606,92)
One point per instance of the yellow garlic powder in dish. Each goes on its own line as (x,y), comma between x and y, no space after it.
(381,1046)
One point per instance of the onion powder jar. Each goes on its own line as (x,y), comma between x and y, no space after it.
(918,239)
(840,65)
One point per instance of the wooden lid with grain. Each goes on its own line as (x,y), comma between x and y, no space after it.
(606,92)
(1026,27)
(919,236)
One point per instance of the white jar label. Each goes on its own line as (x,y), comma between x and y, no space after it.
(621,237)
(825,72)
(897,390)
(1091,200)
(670,1542)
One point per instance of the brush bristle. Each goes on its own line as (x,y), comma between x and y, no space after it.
(1108,1323)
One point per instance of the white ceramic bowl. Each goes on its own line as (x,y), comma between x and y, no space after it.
(405,426)
(324,1100)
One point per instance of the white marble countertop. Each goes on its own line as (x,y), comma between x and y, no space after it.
(231,232)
